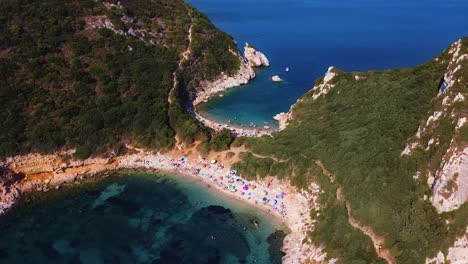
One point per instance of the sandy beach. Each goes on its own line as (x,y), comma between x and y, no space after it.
(237,130)
(280,199)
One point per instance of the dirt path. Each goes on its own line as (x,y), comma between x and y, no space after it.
(377,240)
(185,56)
(269,157)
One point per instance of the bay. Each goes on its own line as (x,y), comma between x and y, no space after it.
(136,217)
(308,36)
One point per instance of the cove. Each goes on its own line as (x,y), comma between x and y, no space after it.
(137,217)
(308,36)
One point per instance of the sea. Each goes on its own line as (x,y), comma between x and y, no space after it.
(308,36)
(136,217)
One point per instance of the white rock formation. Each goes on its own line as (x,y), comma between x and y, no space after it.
(318,90)
(434,117)
(254,57)
(449,96)
(457,254)
(276,78)
(439,259)
(283,119)
(325,86)
(224,82)
(451,181)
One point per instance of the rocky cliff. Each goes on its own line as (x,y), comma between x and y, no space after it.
(9,192)
(254,57)
(322,87)
(249,61)
(444,135)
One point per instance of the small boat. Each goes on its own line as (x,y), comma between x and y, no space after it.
(276,78)
(287,69)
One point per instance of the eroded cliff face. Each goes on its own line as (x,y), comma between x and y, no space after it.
(443,135)
(249,61)
(254,57)
(224,82)
(321,88)
(457,254)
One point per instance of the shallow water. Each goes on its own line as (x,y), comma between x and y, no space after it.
(137,218)
(310,35)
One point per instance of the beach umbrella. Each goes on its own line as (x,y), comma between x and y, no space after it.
(265,192)
(213,161)
(273,202)
(264,199)
(280,196)
(245,188)
(232,187)
(253,186)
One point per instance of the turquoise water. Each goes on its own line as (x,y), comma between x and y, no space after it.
(137,218)
(310,35)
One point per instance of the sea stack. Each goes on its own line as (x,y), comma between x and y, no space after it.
(254,57)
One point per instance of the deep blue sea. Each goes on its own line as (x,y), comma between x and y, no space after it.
(308,36)
(137,218)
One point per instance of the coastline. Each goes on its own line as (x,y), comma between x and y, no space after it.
(235,129)
(46,172)
(251,59)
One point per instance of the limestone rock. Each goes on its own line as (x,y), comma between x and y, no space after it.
(451,185)
(224,82)
(325,86)
(283,119)
(254,57)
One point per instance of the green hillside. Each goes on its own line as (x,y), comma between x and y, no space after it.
(358,131)
(68,79)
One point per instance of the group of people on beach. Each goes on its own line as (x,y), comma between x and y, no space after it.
(226,180)
(251,131)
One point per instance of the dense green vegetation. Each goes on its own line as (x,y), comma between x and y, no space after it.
(358,131)
(63,82)
(213,52)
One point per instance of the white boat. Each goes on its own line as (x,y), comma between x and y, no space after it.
(287,69)
(276,78)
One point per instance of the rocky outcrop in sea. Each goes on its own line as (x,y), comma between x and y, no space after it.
(254,57)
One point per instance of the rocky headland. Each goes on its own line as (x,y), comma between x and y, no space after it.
(250,60)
